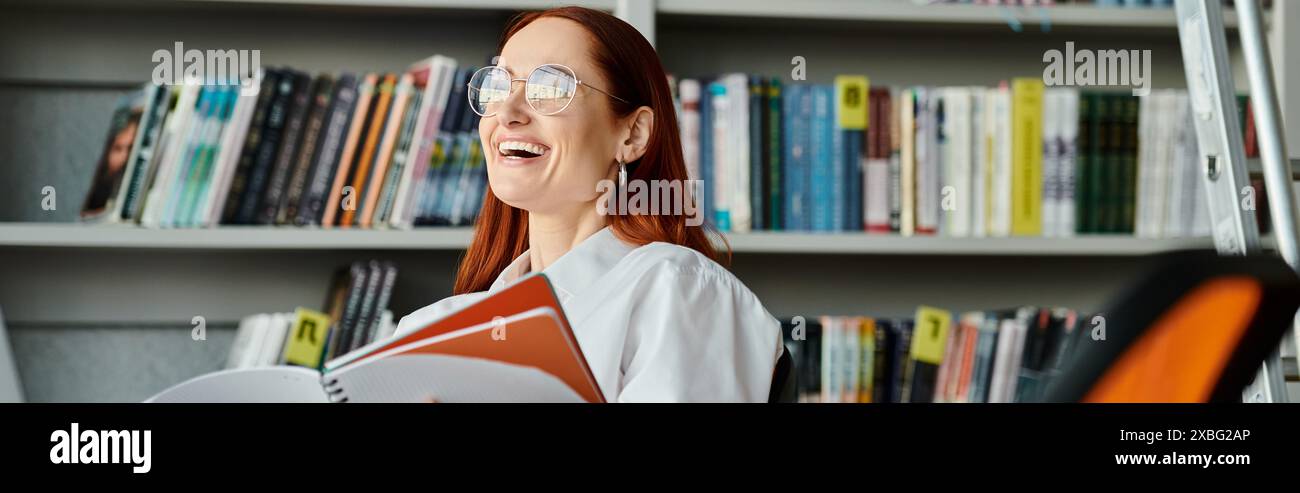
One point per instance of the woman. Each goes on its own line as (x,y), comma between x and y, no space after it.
(657,318)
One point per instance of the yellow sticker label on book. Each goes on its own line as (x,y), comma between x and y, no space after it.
(307,338)
(851,91)
(930,334)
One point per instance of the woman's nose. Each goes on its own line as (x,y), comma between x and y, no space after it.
(514,110)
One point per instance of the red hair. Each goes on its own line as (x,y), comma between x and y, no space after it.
(634,72)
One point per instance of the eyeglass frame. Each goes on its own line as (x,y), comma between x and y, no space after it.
(511,89)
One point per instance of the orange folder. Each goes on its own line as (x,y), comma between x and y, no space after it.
(545,343)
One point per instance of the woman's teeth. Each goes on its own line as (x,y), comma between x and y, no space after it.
(520,149)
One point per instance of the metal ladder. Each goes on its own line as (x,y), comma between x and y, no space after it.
(1214,107)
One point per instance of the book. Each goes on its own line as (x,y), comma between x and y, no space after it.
(326,156)
(773,157)
(123,135)
(248,155)
(298,106)
(823,191)
(1027,157)
(852,114)
(207,153)
(757,113)
(473,355)
(342,196)
(212,193)
(318,107)
(1005,355)
(177,135)
(141,162)
(383,152)
(907,163)
(436,76)
(876,183)
(263,159)
(797,110)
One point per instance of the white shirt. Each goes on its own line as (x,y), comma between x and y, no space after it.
(657,323)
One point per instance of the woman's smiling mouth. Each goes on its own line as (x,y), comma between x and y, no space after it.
(518,151)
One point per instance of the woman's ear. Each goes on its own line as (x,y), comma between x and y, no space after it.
(638,127)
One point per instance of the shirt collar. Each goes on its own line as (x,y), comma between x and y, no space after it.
(576,269)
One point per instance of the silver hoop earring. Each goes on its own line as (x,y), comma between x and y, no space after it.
(622,174)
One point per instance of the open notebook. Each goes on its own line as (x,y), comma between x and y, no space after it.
(514,346)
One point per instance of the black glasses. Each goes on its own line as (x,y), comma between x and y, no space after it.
(548,89)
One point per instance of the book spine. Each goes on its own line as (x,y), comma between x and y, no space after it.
(775,128)
(798,169)
(442,72)
(1128,163)
(907,162)
(267,146)
(385,294)
(979,153)
(757,177)
(144,153)
(346,330)
(307,150)
(901,385)
(738,153)
(368,146)
(1089,142)
(1050,133)
(365,310)
(384,151)
(893,119)
(830,374)
(178,184)
(867,361)
(171,139)
(927,351)
(201,179)
(1068,166)
(331,146)
(883,371)
(722,172)
(457,174)
(823,196)
(397,170)
(1027,157)
(342,196)
(853,112)
(231,149)
(927,161)
(241,178)
(708,195)
(277,182)
(443,153)
(468,166)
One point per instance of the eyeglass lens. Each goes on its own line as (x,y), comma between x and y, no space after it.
(548,89)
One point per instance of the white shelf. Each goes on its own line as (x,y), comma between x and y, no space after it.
(67,235)
(910,12)
(875,244)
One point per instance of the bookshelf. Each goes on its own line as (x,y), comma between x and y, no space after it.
(89,305)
